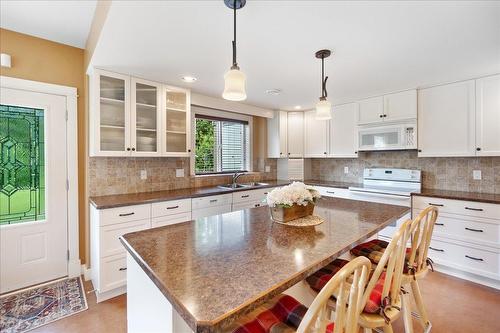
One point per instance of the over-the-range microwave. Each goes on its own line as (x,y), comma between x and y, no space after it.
(388,137)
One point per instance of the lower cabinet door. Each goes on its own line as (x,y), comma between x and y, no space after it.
(113,272)
(210,211)
(246,205)
(170,219)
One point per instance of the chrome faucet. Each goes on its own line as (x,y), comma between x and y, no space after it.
(236,175)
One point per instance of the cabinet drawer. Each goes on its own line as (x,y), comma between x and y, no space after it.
(469,208)
(252,195)
(170,207)
(332,192)
(170,219)
(466,229)
(210,211)
(248,204)
(113,273)
(211,201)
(465,258)
(109,234)
(125,214)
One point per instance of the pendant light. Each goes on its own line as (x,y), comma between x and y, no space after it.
(323,107)
(234,79)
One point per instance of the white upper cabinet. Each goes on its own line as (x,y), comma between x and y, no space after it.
(295,134)
(400,106)
(315,135)
(388,108)
(176,121)
(277,135)
(110,114)
(371,110)
(136,117)
(145,118)
(343,131)
(488,116)
(446,120)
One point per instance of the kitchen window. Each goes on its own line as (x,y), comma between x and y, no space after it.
(222,145)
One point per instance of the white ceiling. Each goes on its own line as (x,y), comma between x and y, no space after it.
(66,22)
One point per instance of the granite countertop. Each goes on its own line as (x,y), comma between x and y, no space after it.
(214,269)
(459,195)
(119,200)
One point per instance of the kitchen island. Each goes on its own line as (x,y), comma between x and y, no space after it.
(201,275)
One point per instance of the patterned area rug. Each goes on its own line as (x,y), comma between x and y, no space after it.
(31,308)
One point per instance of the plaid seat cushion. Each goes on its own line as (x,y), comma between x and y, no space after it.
(282,314)
(320,278)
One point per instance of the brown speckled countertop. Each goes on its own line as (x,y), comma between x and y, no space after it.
(217,268)
(119,200)
(459,195)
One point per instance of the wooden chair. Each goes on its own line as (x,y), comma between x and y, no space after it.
(285,314)
(417,263)
(382,299)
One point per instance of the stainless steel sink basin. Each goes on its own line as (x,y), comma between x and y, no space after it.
(231,186)
(254,184)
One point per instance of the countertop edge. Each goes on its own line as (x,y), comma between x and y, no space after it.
(224,320)
(463,197)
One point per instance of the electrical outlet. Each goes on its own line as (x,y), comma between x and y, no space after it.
(268,168)
(179,173)
(346,170)
(144,174)
(476,174)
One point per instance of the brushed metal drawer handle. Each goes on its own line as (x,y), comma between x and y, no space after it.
(245,196)
(122,269)
(266,193)
(474,209)
(213,200)
(434,249)
(437,205)
(331,192)
(126,214)
(173,207)
(475,230)
(439,224)
(474,258)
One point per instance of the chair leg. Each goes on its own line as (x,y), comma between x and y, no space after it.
(406,311)
(367,330)
(424,319)
(388,329)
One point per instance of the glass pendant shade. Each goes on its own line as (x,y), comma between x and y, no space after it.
(234,85)
(323,110)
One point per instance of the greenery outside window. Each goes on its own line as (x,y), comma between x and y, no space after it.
(221,145)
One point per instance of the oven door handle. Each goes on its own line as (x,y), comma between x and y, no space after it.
(380,195)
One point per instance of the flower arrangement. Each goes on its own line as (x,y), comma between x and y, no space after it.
(296,193)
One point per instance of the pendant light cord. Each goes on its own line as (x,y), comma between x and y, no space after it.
(235,64)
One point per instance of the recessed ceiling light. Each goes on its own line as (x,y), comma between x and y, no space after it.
(297,107)
(189,79)
(273,91)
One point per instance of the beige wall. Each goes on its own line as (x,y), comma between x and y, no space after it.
(45,61)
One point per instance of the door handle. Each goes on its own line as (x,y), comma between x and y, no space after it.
(434,249)
(122,269)
(474,258)
(173,207)
(126,214)
(474,209)
(475,230)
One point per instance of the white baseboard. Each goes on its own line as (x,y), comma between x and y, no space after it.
(467,276)
(74,269)
(86,272)
(100,297)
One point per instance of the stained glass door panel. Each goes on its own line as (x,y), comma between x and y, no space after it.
(22,165)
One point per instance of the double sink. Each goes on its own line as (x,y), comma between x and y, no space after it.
(244,185)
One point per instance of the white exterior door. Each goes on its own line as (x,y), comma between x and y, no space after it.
(33,193)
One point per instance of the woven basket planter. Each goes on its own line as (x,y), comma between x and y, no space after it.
(286,214)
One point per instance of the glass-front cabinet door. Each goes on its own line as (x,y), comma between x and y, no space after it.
(145,118)
(111,116)
(177,121)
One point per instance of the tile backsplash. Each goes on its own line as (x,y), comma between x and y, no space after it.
(118,175)
(448,173)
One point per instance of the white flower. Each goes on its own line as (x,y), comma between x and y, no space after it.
(295,193)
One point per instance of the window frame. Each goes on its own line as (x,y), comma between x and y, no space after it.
(217,114)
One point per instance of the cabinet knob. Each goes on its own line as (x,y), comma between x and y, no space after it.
(189,150)
(355,152)
(281,153)
(420,150)
(478,149)
(128,149)
(381,116)
(133,149)
(385,115)
(324,153)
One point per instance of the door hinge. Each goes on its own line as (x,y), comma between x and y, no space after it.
(67,184)
(66,115)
